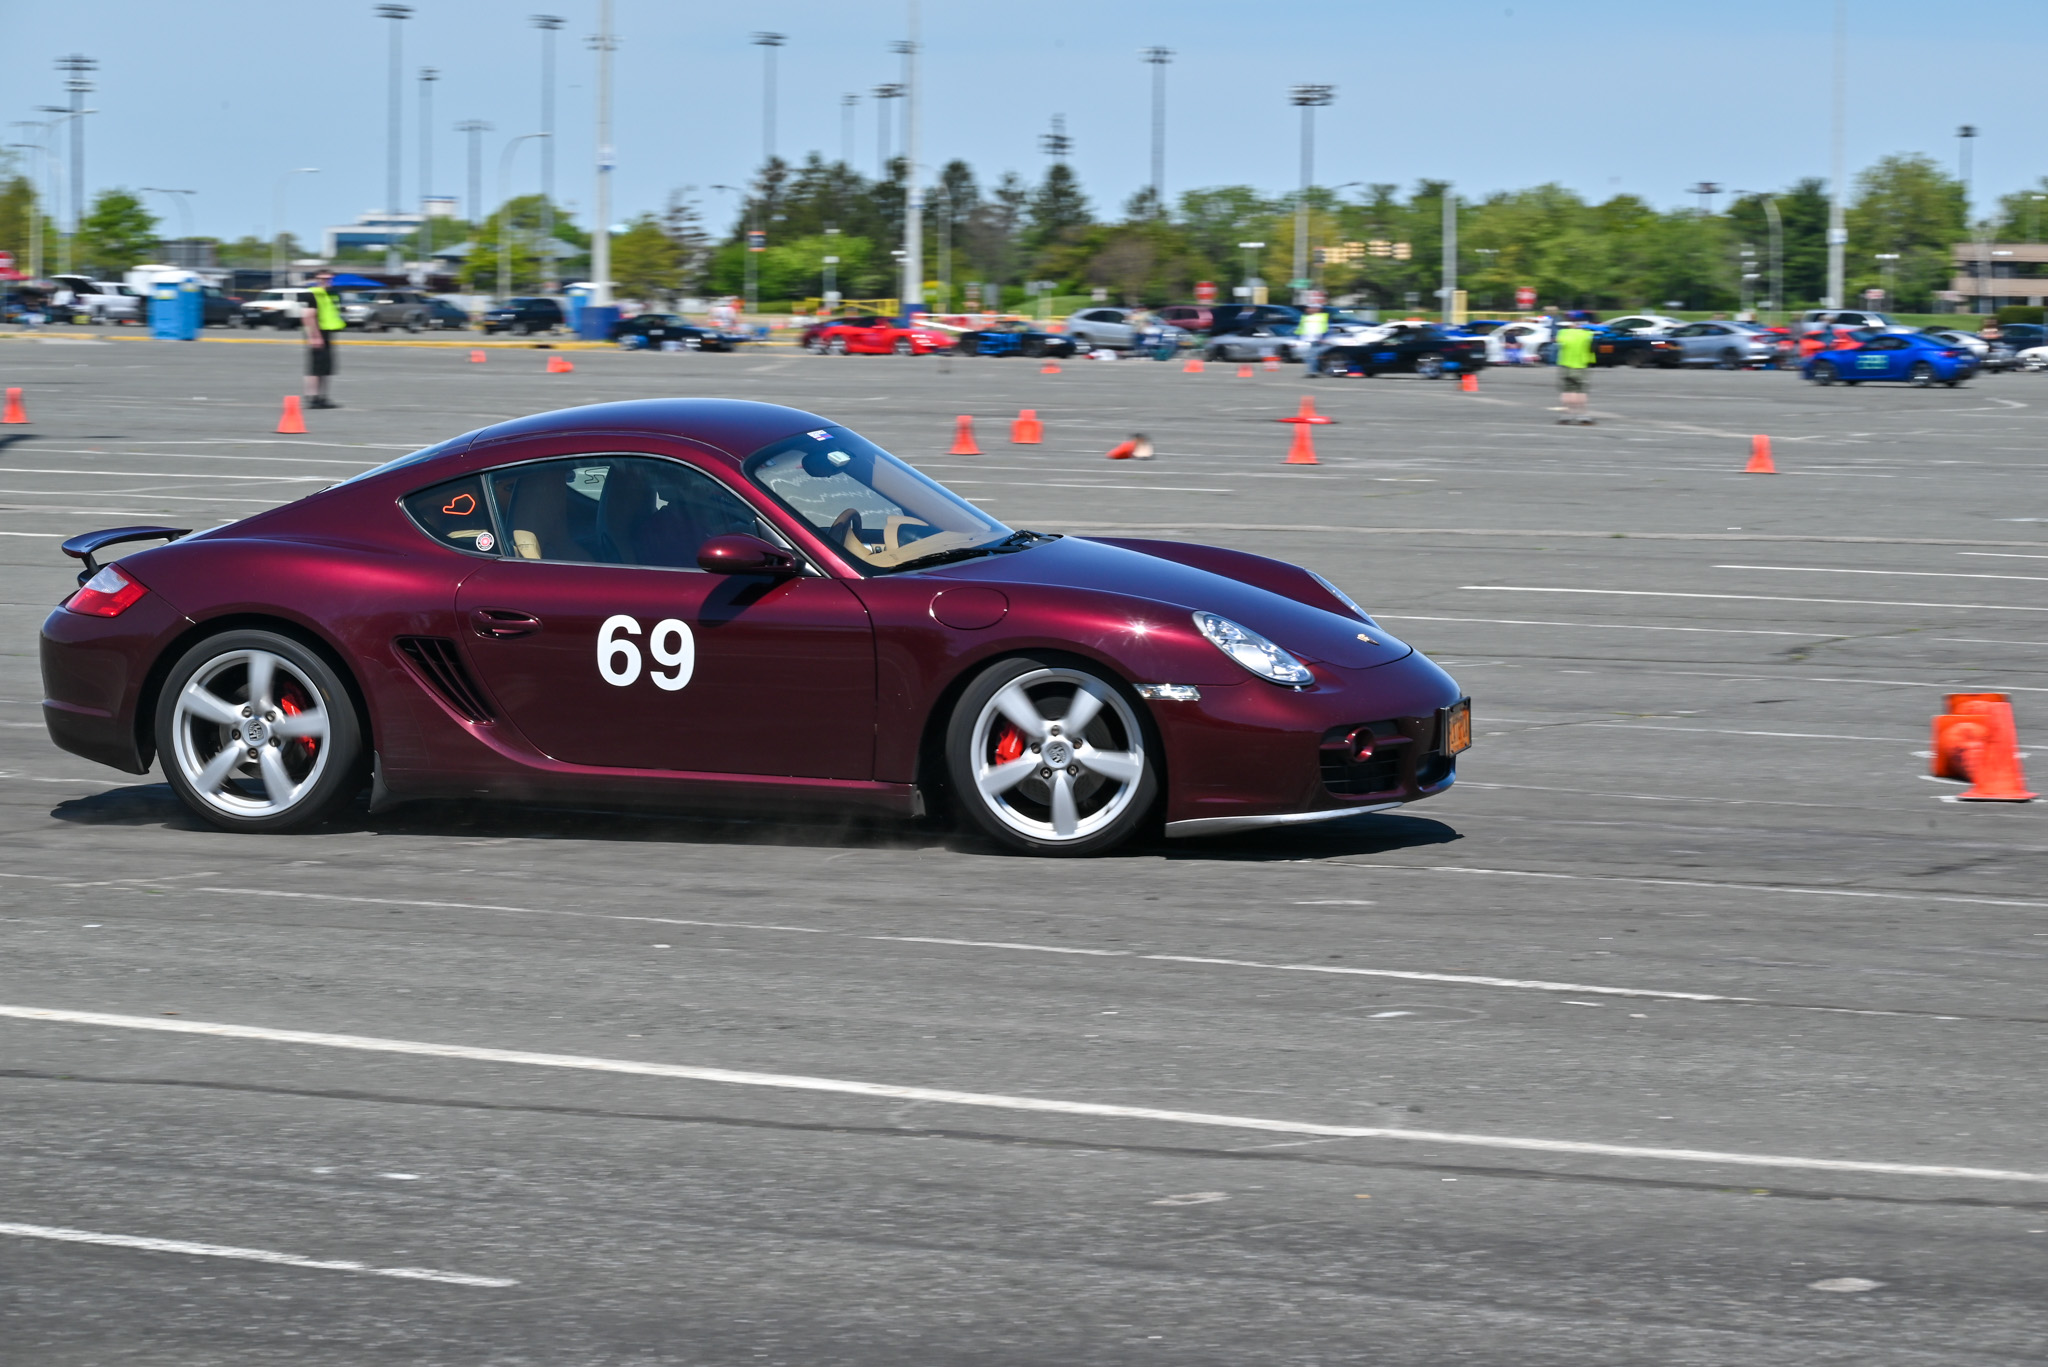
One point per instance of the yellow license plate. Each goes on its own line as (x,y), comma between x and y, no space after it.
(1458,727)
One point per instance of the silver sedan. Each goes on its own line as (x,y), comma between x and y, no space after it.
(1729,345)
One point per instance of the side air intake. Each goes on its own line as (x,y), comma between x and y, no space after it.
(439,665)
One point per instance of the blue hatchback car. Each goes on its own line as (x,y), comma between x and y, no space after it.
(1871,354)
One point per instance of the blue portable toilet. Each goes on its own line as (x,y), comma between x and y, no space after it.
(576,298)
(175,310)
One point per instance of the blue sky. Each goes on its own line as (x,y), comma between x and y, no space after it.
(1604,96)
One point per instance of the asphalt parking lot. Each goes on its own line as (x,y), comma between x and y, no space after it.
(1694,1026)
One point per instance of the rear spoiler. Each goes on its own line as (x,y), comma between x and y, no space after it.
(86,544)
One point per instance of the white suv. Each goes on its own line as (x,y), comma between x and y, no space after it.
(101,301)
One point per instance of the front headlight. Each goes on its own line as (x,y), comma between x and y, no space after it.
(1346,599)
(1252,650)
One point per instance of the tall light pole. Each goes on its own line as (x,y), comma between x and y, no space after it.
(1891,280)
(55,166)
(547,24)
(768,42)
(847,104)
(78,67)
(38,199)
(1158,58)
(181,198)
(1450,286)
(428,76)
(504,216)
(397,14)
(601,231)
(1251,270)
(1308,98)
(883,94)
(1770,203)
(277,270)
(1706,190)
(1838,223)
(913,180)
(1964,137)
(475,127)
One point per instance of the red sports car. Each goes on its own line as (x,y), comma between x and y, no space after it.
(723,603)
(880,337)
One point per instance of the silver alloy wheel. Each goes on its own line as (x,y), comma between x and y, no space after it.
(249,742)
(1082,758)
(1429,366)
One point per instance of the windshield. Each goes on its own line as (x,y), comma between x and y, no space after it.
(884,515)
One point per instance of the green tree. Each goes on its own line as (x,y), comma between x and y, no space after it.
(1057,206)
(117,234)
(646,265)
(2021,216)
(1803,212)
(18,209)
(1909,205)
(518,221)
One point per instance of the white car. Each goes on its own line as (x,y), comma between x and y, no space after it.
(1649,324)
(2033,358)
(1531,335)
(1820,320)
(100,301)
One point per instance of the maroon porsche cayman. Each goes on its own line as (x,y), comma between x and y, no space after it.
(721,604)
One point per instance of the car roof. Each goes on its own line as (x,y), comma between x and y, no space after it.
(737,427)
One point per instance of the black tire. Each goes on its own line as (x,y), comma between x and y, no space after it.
(1639,359)
(1731,359)
(1114,810)
(1429,366)
(968,346)
(332,778)
(1081,341)
(1824,373)
(1032,349)
(1216,353)
(1922,375)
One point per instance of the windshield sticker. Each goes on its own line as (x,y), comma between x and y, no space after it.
(819,435)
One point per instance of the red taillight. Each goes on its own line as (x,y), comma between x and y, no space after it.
(107,594)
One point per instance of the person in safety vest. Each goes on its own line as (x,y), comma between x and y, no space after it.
(323,323)
(1574,359)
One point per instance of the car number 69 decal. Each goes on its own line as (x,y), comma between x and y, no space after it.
(670,644)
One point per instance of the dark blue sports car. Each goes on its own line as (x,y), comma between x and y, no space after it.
(1872,354)
(1013,339)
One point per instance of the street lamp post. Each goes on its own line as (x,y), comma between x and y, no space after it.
(1251,278)
(277,271)
(883,94)
(37,203)
(55,168)
(768,42)
(913,180)
(395,117)
(428,75)
(1770,203)
(1838,223)
(1891,279)
(548,24)
(475,127)
(1450,285)
(1309,98)
(1158,58)
(505,214)
(601,230)
(847,104)
(181,198)
(78,66)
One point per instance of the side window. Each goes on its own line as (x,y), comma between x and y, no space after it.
(618,510)
(455,514)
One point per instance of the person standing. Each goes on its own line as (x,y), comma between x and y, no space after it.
(323,323)
(1574,359)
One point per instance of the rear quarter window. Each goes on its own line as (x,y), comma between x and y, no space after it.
(456,515)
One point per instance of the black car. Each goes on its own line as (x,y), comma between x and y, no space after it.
(444,316)
(647,331)
(1227,318)
(528,315)
(1425,349)
(1638,349)
(395,308)
(218,308)
(1013,339)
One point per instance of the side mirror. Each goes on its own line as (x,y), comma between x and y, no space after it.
(743,553)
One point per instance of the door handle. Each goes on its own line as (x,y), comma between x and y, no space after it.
(503,623)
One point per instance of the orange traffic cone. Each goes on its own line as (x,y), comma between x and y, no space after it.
(1139,447)
(560,365)
(1469,383)
(1978,740)
(1027,430)
(476,358)
(1193,367)
(1303,451)
(1049,368)
(1244,372)
(15,412)
(963,437)
(291,420)
(1760,462)
(1307,414)
(1272,363)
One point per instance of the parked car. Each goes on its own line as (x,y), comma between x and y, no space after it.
(445,316)
(218,308)
(1195,318)
(1255,342)
(525,315)
(1228,317)
(1426,349)
(1724,343)
(1821,320)
(1013,339)
(1102,327)
(2020,336)
(1635,349)
(278,308)
(101,301)
(648,331)
(1531,335)
(808,338)
(885,336)
(393,308)
(1644,322)
(1872,354)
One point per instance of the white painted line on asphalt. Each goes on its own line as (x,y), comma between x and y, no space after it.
(1952,640)
(2003,555)
(523,911)
(1701,883)
(31,533)
(1714,731)
(1822,678)
(227,475)
(1911,574)
(250,1255)
(1749,598)
(1595,626)
(1530,984)
(1003,944)
(998,1101)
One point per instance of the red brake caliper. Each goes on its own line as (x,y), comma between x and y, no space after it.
(1009,744)
(290,708)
